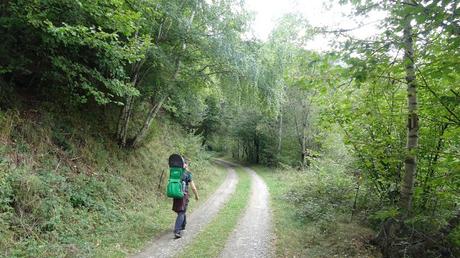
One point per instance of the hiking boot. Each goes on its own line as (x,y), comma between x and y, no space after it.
(177,235)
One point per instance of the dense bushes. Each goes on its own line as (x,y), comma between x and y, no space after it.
(322,190)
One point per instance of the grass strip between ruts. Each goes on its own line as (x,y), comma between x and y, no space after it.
(211,241)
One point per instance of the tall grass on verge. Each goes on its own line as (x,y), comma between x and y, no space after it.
(312,211)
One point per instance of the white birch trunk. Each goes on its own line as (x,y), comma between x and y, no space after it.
(123,122)
(280,133)
(410,162)
(148,122)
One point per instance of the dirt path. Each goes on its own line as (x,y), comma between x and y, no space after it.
(252,236)
(167,246)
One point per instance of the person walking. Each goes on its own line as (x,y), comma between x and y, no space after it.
(180,205)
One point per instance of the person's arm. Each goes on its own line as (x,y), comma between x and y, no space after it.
(195,192)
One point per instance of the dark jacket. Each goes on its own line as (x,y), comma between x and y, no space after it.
(182,203)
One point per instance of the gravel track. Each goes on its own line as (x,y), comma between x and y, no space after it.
(252,236)
(167,246)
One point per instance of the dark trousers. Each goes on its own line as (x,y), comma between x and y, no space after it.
(181,221)
(180,207)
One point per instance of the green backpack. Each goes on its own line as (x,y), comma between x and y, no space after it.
(175,188)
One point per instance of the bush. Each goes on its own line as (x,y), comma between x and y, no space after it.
(323,191)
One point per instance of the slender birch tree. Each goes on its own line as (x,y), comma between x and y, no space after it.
(410,162)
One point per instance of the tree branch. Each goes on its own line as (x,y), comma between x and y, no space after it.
(437,97)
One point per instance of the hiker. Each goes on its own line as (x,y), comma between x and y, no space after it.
(180,205)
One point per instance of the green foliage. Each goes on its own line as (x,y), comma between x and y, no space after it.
(322,191)
(455,237)
(80,47)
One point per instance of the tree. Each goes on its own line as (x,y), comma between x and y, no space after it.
(410,161)
(187,56)
(413,27)
(71,47)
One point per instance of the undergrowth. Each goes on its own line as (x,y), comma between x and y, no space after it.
(312,212)
(66,189)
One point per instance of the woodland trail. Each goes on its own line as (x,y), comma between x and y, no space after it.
(167,246)
(252,236)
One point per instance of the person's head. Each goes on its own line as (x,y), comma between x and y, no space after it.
(186,162)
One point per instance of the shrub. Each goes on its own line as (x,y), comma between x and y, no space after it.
(323,191)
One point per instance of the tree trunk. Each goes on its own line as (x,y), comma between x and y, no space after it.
(300,137)
(147,123)
(256,149)
(246,152)
(304,142)
(130,111)
(392,228)
(280,135)
(238,149)
(410,162)
(123,121)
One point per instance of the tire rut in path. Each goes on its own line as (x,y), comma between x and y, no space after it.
(167,246)
(252,236)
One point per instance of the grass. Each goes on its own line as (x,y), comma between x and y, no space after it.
(211,241)
(298,237)
(68,190)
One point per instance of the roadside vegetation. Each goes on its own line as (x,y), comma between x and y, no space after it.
(322,210)
(67,191)
(212,239)
(312,213)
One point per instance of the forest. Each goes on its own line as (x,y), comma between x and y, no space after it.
(94,95)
